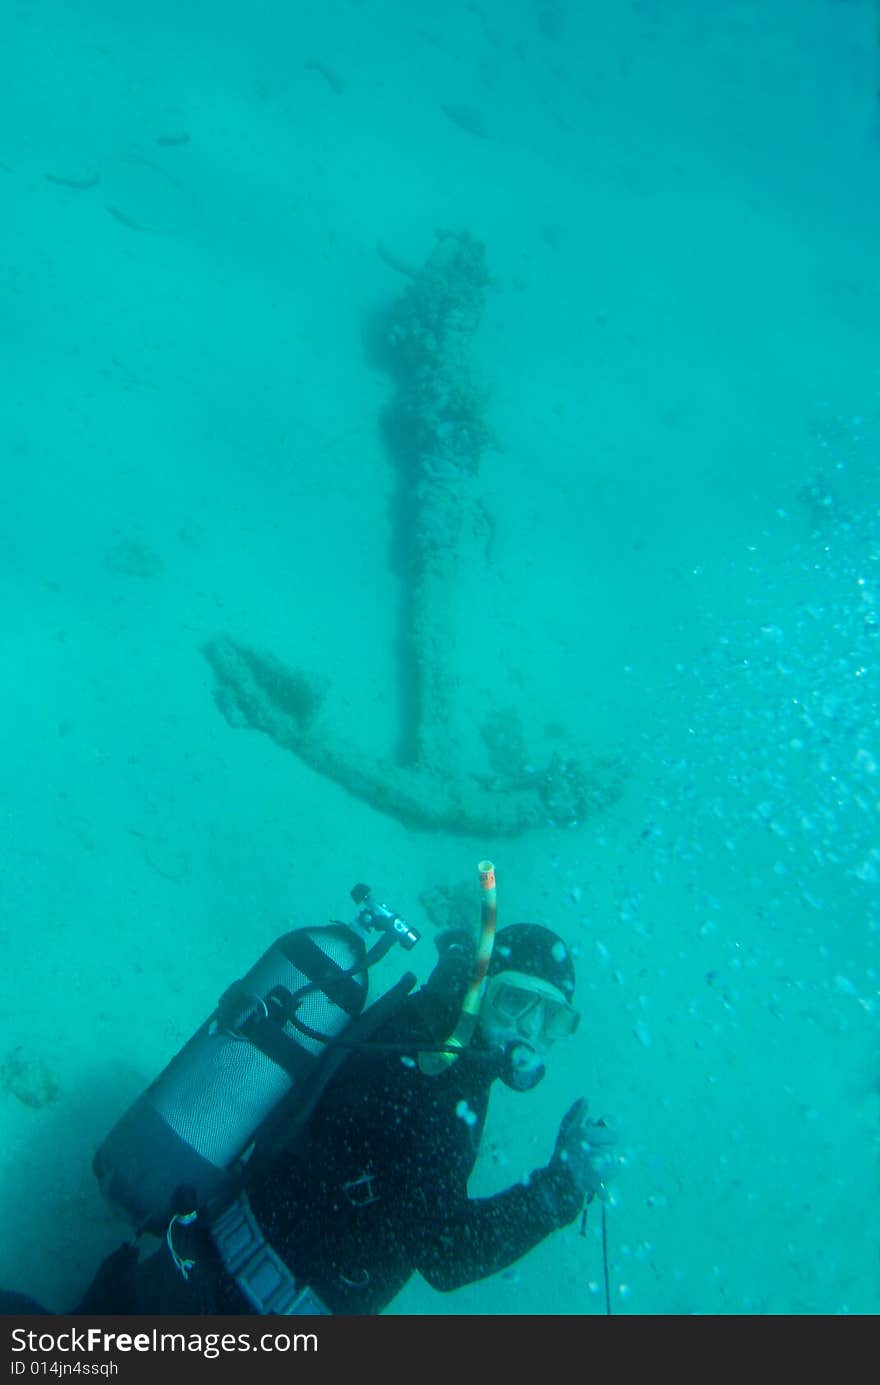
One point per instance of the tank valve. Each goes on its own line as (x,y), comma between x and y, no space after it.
(373,914)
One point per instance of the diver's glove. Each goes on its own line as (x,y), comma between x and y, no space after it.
(583,1162)
(456,950)
(456,940)
(449,979)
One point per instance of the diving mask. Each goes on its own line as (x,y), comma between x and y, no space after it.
(529,1005)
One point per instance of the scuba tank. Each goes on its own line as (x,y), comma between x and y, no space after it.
(191,1132)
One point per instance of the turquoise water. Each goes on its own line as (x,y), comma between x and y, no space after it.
(678,204)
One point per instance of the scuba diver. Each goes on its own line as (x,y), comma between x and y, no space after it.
(358,1178)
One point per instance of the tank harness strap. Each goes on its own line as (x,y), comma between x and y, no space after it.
(269,1037)
(265,1023)
(259,1272)
(324,974)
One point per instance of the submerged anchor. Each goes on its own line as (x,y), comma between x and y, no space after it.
(436,431)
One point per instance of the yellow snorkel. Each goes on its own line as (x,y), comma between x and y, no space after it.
(434,1062)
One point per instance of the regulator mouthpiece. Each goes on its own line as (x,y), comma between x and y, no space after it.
(521,1068)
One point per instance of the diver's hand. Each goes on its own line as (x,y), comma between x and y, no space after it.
(455,940)
(585,1151)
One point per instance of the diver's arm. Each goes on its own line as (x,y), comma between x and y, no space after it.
(428,1016)
(481,1236)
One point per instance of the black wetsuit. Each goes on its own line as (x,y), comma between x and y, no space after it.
(374,1189)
